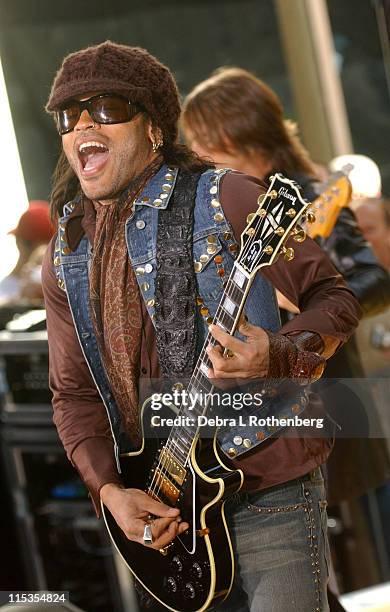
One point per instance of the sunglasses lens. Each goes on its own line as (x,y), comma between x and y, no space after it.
(103,109)
(67,118)
(112,109)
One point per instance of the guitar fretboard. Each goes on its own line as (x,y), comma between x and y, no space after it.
(181,437)
(261,242)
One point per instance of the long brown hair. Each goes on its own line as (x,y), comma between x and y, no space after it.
(233,109)
(66,186)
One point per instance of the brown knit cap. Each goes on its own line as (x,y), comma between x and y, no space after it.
(130,71)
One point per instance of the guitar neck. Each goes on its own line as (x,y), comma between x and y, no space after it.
(262,242)
(227,316)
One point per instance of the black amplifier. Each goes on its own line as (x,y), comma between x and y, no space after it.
(25,397)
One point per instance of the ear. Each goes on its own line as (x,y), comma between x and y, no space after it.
(154,134)
(150,129)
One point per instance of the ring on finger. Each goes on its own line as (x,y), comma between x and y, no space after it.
(228,354)
(147,537)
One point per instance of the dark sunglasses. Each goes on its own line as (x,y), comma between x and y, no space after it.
(103,108)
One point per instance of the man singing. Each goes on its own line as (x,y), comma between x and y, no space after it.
(127,195)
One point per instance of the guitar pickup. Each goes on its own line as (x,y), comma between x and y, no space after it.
(161,484)
(175,470)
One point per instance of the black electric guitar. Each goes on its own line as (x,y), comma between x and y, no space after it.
(195,571)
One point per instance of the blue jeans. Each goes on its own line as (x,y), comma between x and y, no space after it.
(282,551)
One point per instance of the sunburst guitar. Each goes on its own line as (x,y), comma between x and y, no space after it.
(335,194)
(195,572)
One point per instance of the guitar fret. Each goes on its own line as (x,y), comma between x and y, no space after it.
(233,286)
(225,318)
(234,294)
(203,368)
(176,451)
(218,322)
(201,377)
(239,277)
(185,433)
(176,443)
(224,313)
(229,306)
(200,381)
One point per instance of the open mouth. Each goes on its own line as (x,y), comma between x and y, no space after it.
(93,156)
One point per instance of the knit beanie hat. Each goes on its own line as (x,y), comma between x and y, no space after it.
(129,71)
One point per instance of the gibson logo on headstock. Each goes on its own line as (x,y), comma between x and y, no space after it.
(284,192)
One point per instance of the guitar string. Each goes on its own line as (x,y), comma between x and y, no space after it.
(220,314)
(220,317)
(171,444)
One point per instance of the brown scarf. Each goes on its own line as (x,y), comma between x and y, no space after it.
(115,301)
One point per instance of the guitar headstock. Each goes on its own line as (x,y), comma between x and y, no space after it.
(271,224)
(336,194)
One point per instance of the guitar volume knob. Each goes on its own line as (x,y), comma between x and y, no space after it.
(196,571)
(171,584)
(189,591)
(176,563)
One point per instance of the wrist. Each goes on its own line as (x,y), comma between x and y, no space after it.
(108,489)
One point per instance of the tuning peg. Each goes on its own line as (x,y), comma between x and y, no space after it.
(250,217)
(310,216)
(273,194)
(291,212)
(288,253)
(299,234)
(279,231)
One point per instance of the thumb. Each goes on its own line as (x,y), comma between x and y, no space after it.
(158,508)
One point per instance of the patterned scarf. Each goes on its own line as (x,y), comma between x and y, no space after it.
(115,301)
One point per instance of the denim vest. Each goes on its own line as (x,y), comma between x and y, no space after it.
(214,247)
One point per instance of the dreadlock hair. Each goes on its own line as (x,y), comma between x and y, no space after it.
(65,187)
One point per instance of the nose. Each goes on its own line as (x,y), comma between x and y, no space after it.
(85,122)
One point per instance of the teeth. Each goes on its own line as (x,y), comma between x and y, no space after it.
(92,143)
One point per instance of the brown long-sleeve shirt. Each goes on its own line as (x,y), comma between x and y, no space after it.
(310,281)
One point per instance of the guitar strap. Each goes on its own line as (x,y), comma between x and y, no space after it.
(175,294)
